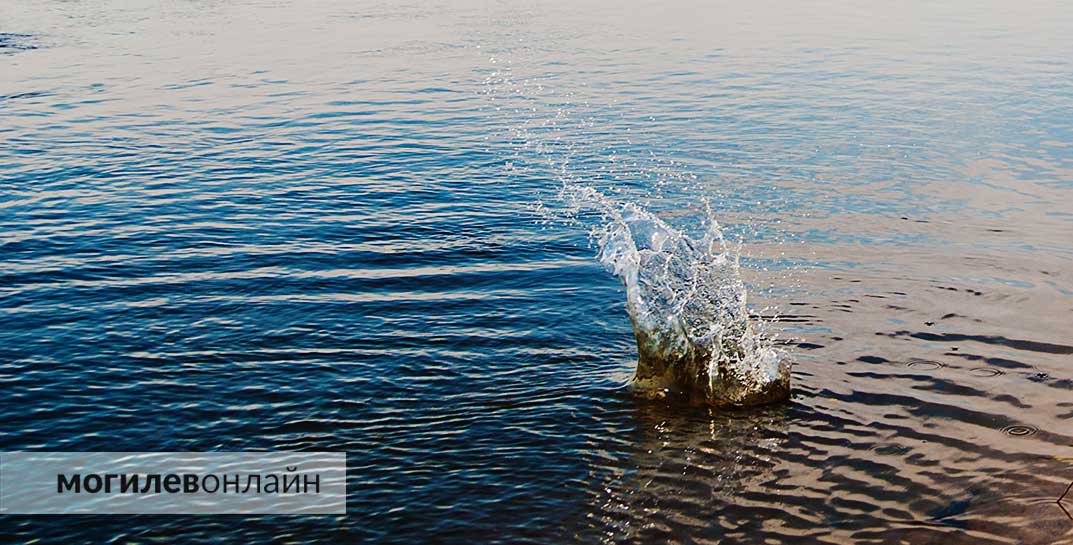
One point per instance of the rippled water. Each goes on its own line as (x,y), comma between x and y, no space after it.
(323,226)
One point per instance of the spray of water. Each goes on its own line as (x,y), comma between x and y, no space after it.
(684,295)
(687,301)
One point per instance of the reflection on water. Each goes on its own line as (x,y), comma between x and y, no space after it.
(270,225)
(687,469)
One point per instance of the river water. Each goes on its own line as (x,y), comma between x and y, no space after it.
(337,226)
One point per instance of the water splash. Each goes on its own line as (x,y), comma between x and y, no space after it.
(685,296)
(687,301)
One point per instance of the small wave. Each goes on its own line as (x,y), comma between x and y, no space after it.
(12,43)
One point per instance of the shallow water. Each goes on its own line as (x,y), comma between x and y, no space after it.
(262,225)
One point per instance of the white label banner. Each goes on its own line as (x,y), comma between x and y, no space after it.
(175,483)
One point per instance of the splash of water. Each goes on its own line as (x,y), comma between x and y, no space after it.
(685,296)
(687,301)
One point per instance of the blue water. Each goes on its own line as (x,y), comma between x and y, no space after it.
(264,225)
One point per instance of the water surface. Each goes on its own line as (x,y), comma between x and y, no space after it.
(265,225)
